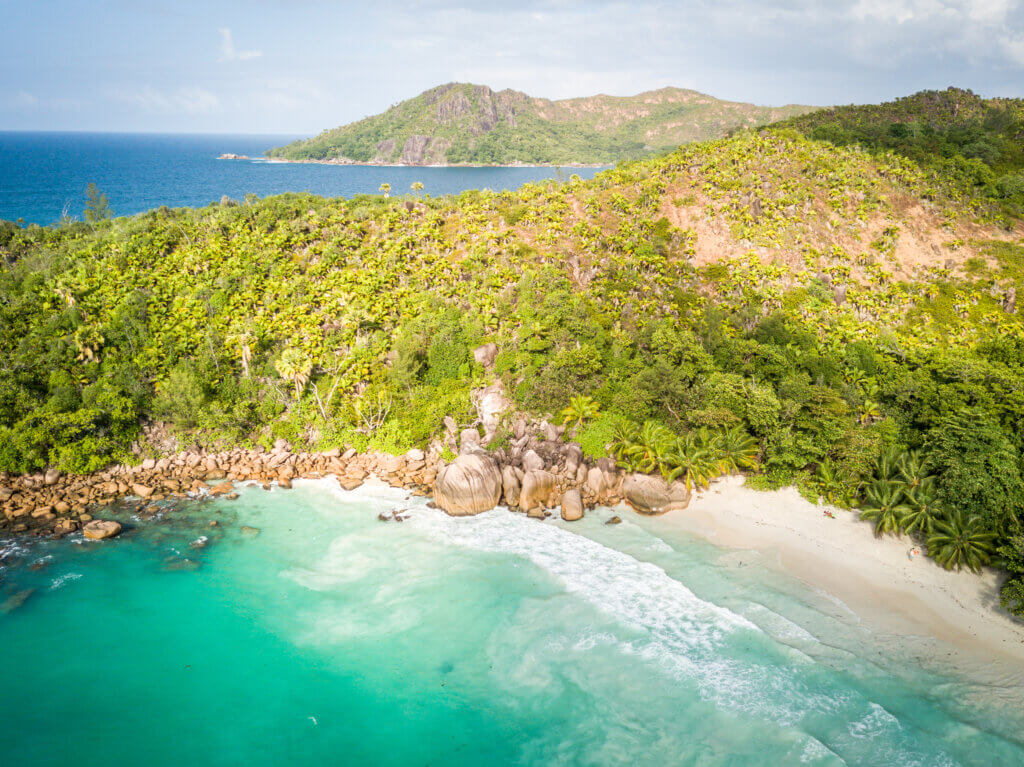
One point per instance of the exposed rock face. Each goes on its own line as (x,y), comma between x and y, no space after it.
(532,461)
(472,483)
(486,354)
(510,486)
(469,440)
(572,505)
(652,495)
(537,488)
(451,108)
(99,529)
(385,150)
(491,403)
(424,150)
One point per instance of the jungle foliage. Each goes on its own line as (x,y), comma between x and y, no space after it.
(333,322)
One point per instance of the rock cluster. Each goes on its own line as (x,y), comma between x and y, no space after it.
(535,472)
(58,504)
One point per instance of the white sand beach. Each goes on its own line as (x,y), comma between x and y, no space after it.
(874,577)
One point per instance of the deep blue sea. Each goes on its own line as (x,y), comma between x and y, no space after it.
(43,175)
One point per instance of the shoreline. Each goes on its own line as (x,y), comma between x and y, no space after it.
(278,160)
(873,577)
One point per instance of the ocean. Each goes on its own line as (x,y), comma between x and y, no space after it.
(44,175)
(324,636)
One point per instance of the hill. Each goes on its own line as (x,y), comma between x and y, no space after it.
(460,123)
(976,144)
(818,315)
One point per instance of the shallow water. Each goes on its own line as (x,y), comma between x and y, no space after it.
(333,638)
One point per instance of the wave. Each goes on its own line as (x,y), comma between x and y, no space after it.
(724,656)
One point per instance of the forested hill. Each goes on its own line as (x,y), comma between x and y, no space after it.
(840,319)
(970,140)
(461,123)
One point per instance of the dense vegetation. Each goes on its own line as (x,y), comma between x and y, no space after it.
(863,380)
(471,124)
(966,140)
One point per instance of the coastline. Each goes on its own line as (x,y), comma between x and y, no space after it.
(873,577)
(279,160)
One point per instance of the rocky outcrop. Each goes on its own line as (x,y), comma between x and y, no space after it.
(491,403)
(424,150)
(472,483)
(99,529)
(538,486)
(652,495)
(572,505)
(485,355)
(510,486)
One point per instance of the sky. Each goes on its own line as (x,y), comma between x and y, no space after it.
(300,66)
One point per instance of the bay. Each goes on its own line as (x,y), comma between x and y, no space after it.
(330,637)
(44,175)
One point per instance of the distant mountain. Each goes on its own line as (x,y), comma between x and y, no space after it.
(461,123)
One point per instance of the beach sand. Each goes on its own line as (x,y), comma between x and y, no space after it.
(872,576)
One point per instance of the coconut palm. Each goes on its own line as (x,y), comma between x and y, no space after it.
(690,457)
(581,408)
(652,443)
(624,436)
(923,509)
(736,450)
(887,465)
(913,469)
(961,541)
(831,486)
(385,189)
(417,186)
(884,505)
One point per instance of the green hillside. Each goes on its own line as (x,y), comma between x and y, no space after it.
(972,142)
(815,314)
(461,123)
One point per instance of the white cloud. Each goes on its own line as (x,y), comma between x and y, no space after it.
(188,100)
(1014,48)
(227,48)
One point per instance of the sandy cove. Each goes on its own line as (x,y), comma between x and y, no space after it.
(874,577)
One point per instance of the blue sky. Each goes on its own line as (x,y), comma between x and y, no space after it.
(298,66)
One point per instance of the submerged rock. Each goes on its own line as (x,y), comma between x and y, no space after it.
(250,532)
(616,520)
(99,529)
(469,485)
(15,600)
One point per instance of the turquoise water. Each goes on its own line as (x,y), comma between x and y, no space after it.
(44,174)
(333,638)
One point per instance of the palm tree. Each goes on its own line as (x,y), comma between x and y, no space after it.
(961,541)
(295,366)
(831,486)
(385,189)
(624,436)
(736,450)
(884,506)
(581,408)
(913,469)
(888,463)
(690,457)
(648,452)
(923,509)
(417,186)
